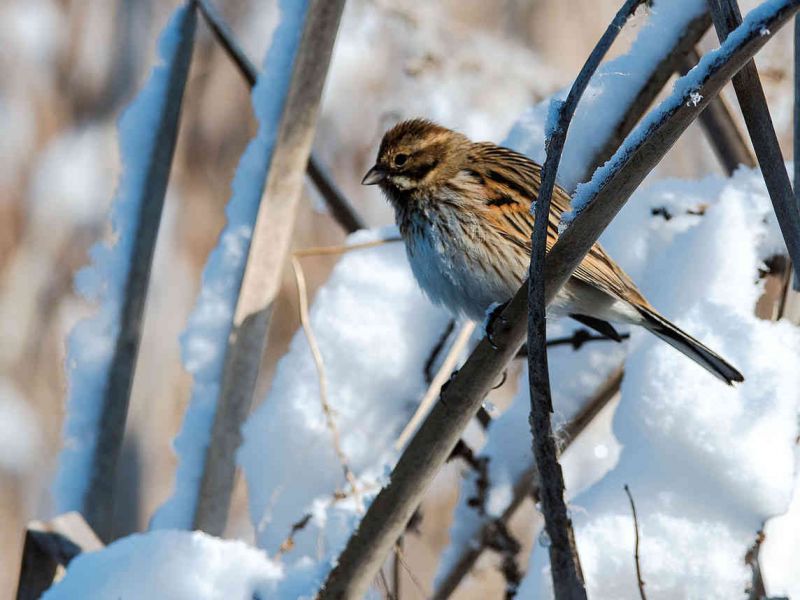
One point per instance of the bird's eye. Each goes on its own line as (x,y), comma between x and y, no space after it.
(400,159)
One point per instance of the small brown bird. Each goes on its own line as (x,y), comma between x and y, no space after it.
(463,210)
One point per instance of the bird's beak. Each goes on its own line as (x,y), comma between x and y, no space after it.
(375,175)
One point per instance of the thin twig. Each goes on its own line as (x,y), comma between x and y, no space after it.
(564,559)
(305,321)
(755,111)
(333,250)
(401,556)
(396,578)
(442,375)
(601,200)
(796,136)
(341,210)
(639,579)
(758,590)
(384,584)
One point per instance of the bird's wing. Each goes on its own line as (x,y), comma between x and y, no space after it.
(512,182)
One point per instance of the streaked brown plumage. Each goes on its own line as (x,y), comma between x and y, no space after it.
(463,210)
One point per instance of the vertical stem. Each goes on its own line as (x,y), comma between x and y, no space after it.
(750,93)
(564,563)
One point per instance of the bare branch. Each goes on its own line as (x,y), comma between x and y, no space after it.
(753,103)
(639,579)
(342,211)
(564,562)
(603,198)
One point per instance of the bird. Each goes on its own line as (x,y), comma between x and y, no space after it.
(463,210)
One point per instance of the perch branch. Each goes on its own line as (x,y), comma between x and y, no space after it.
(391,509)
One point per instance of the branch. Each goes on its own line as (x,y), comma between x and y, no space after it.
(639,579)
(342,211)
(564,562)
(753,103)
(601,200)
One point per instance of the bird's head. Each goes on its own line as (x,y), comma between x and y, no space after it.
(417,154)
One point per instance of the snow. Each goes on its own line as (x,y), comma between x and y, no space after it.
(707,464)
(173,564)
(615,84)
(206,336)
(375,330)
(685,91)
(91,343)
(779,560)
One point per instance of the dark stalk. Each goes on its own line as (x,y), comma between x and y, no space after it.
(564,561)
(750,94)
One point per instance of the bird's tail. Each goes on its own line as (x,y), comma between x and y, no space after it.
(682,341)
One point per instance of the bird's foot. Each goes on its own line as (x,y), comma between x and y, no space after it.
(495,323)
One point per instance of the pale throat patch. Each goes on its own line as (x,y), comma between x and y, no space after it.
(402,182)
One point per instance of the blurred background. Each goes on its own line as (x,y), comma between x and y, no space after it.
(68,68)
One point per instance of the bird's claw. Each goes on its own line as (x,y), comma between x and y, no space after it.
(492,321)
